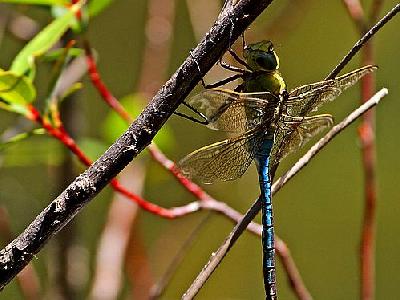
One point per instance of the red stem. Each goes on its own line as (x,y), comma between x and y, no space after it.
(101,88)
(367,139)
(60,134)
(107,96)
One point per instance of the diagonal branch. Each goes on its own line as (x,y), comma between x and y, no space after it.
(361,42)
(230,24)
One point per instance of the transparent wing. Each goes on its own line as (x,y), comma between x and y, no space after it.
(234,112)
(225,160)
(295,132)
(304,99)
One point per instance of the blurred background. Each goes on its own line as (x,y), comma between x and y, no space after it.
(112,250)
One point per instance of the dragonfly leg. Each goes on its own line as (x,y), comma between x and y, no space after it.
(200,114)
(222,82)
(238,59)
(231,68)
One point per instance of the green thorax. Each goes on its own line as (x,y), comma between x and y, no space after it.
(264,65)
(264,82)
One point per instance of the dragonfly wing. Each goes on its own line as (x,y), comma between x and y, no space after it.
(296,132)
(225,160)
(347,80)
(231,111)
(307,98)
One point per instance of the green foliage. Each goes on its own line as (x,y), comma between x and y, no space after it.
(16,92)
(72,89)
(37,2)
(77,25)
(114,125)
(43,41)
(56,54)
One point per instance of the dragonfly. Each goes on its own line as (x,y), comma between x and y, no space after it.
(268,122)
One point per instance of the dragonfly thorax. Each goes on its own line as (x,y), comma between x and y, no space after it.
(263,81)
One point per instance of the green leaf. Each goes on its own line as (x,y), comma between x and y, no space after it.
(97,6)
(114,125)
(72,89)
(43,41)
(57,53)
(37,2)
(15,92)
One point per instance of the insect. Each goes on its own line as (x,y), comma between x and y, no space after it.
(269,122)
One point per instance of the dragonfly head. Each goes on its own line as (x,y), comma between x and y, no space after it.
(261,56)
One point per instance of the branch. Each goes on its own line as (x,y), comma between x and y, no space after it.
(217,256)
(28,280)
(230,24)
(361,42)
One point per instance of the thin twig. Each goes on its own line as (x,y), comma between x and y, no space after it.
(217,257)
(361,42)
(230,24)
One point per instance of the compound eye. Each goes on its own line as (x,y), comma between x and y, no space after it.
(267,61)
